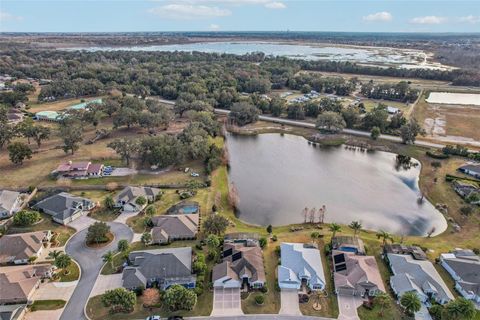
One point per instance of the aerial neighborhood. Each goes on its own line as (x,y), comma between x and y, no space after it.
(239,175)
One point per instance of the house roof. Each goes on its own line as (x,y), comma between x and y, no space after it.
(223,269)
(18,282)
(466,264)
(128,194)
(357,270)
(63,205)
(471,167)
(8,199)
(420,273)
(171,263)
(181,225)
(398,248)
(299,258)
(81,165)
(94,167)
(20,246)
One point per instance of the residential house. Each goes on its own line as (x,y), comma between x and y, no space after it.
(79,170)
(163,267)
(301,264)
(10,202)
(464,267)
(348,244)
(126,199)
(169,228)
(465,189)
(18,283)
(392,110)
(18,248)
(51,116)
(65,207)
(419,276)
(398,248)
(356,275)
(242,263)
(472,169)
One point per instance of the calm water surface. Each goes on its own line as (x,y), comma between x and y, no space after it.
(277,176)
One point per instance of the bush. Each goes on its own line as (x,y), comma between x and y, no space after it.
(263,242)
(260,299)
(274,237)
(26,218)
(435,155)
(141,201)
(264,289)
(198,290)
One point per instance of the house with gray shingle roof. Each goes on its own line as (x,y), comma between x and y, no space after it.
(126,199)
(18,248)
(167,228)
(164,267)
(472,169)
(65,207)
(300,263)
(419,276)
(464,267)
(10,203)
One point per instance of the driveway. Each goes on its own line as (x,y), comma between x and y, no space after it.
(81,223)
(90,261)
(51,291)
(289,302)
(106,282)
(123,217)
(226,302)
(347,306)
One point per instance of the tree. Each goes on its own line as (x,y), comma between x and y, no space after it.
(40,133)
(126,148)
(7,133)
(97,232)
(378,117)
(269,229)
(409,131)
(356,226)
(150,297)
(125,117)
(199,266)
(243,113)
(334,228)
(410,302)
(123,245)
(330,121)
(54,254)
(262,242)
(385,236)
(383,300)
(215,224)
(213,243)
(26,218)
(375,133)
(19,151)
(314,236)
(146,238)
(461,309)
(63,261)
(108,202)
(141,201)
(277,106)
(150,211)
(178,297)
(351,116)
(108,257)
(119,300)
(26,128)
(71,134)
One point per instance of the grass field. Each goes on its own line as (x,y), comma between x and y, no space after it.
(47,305)
(73,273)
(370,104)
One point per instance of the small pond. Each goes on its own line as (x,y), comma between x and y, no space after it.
(277,176)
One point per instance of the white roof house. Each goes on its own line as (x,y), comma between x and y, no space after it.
(300,263)
(9,203)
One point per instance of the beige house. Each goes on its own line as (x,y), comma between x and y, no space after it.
(173,227)
(18,248)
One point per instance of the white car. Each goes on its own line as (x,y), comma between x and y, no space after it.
(153,318)
(194,174)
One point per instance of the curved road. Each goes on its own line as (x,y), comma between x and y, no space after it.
(90,261)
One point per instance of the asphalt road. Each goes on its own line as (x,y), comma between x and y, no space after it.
(90,261)
(260,316)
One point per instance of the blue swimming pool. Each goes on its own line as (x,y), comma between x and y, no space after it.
(190,209)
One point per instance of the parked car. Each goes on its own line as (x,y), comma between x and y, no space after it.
(194,174)
(153,318)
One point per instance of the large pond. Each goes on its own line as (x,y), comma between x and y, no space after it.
(278,176)
(367,55)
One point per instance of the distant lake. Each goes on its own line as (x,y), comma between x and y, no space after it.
(365,55)
(278,176)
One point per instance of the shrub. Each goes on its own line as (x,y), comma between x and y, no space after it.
(141,201)
(274,237)
(151,297)
(26,218)
(435,155)
(119,300)
(263,242)
(260,299)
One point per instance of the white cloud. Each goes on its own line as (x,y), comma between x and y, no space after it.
(189,11)
(275,5)
(429,20)
(379,16)
(214,27)
(5,16)
(470,19)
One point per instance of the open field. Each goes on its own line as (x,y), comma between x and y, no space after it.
(372,103)
(35,107)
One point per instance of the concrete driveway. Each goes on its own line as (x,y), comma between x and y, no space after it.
(106,282)
(226,302)
(289,302)
(81,223)
(90,261)
(51,291)
(124,216)
(347,306)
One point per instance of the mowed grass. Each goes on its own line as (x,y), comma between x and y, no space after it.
(372,103)
(72,274)
(47,305)
(35,107)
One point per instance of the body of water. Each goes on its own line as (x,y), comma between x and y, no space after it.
(367,55)
(278,176)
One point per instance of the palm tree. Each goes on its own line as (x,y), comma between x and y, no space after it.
(411,302)
(314,236)
(385,235)
(460,308)
(62,262)
(356,226)
(54,254)
(383,300)
(334,228)
(108,258)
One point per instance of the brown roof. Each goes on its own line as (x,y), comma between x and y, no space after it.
(18,283)
(94,167)
(21,246)
(80,165)
(178,225)
(251,261)
(223,269)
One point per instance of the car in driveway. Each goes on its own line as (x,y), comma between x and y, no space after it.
(153,318)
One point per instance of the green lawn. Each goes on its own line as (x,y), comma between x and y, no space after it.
(47,305)
(73,273)
(390,312)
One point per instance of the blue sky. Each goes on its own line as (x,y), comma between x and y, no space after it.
(241,15)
